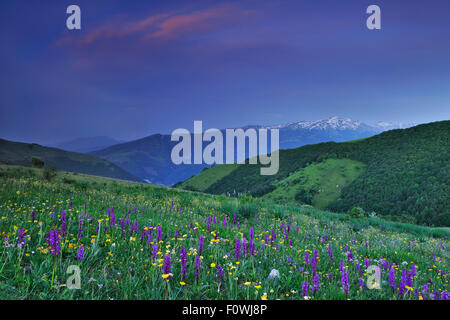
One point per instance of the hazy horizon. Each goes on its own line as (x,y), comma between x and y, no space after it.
(71,139)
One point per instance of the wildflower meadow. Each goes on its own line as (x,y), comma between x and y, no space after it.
(137,241)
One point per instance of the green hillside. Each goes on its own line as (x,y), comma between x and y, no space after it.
(405,177)
(207,177)
(318,184)
(17,153)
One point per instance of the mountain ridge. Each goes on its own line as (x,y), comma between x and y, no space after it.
(20,153)
(86,144)
(149,157)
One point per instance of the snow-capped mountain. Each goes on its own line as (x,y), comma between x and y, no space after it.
(336,123)
(333,123)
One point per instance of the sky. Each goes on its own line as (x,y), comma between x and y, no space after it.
(142,67)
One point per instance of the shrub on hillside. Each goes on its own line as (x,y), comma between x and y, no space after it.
(355,213)
(68,180)
(82,185)
(263,189)
(248,207)
(37,162)
(305,196)
(50,173)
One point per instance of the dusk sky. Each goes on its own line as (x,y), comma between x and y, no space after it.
(143,67)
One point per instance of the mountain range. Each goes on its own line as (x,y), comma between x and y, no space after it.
(149,158)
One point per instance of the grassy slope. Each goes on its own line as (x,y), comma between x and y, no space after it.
(17,153)
(327,178)
(207,177)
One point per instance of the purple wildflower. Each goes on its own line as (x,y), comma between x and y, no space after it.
(122,224)
(315,282)
(237,249)
(134,227)
(53,241)
(350,255)
(80,253)
(63,223)
(183,262)
(306,258)
(251,247)
(197,266)
(201,244)
(167,264)
(345,283)
(330,252)
(155,251)
(361,283)
(413,271)
(366,263)
(219,272)
(425,288)
(158,233)
(401,286)
(20,237)
(244,246)
(392,278)
(341,266)
(305,289)
(314,262)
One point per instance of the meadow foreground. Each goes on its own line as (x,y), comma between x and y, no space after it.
(136,241)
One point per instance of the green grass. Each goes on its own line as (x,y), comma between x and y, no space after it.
(207,177)
(324,180)
(119,263)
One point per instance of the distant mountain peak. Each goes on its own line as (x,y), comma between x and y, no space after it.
(337,123)
(334,123)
